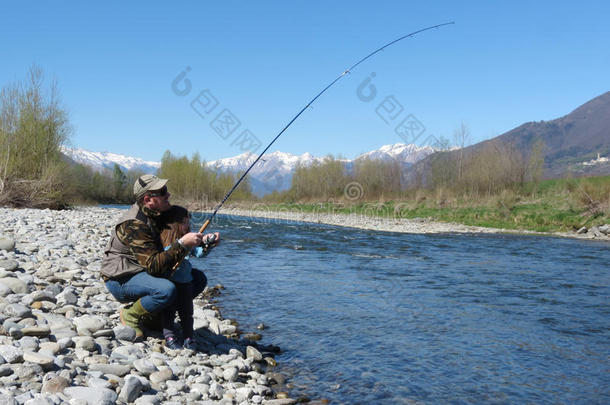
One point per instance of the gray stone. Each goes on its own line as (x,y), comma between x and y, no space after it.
(161,376)
(55,385)
(243,394)
(7,244)
(39,331)
(88,324)
(9,265)
(39,401)
(145,366)
(16,285)
(253,353)
(5,290)
(85,343)
(230,374)
(7,399)
(51,348)
(66,297)
(216,391)
(112,368)
(41,359)
(148,400)
(582,230)
(131,389)
(29,343)
(11,354)
(40,295)
(605,229)
(17,311)
(95,382)
(5,370)
(285,401)
(92,395)
(123,332)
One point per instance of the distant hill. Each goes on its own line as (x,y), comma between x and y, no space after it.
(577,143)
(272,173)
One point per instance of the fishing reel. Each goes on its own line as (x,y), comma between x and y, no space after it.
(208,243)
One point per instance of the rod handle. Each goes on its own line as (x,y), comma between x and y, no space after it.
(205,225)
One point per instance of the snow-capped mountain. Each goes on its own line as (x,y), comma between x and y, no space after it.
(100,160)
(272,173)
(399,152)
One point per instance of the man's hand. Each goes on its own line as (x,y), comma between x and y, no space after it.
(191,239)
(211,239)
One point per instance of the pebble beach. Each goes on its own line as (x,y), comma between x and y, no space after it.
(61,340)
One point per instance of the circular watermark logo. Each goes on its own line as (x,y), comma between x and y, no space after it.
(353,191)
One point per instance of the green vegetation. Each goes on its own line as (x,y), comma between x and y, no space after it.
(193,182)
(550,205)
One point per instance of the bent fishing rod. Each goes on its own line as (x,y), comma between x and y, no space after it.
(346,71)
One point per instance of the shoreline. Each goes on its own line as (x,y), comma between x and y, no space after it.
(62,339)
(399,225)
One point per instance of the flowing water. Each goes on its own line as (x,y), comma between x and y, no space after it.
(367,317)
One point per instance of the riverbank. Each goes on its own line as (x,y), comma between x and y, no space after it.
(62,340)
(401,225)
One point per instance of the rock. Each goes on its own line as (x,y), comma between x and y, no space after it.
(582,230)
(39,401)
(98,383)
(16,285)
(66,297)
(9,265)
(230,374)
(253,353)
(270,361)
(7,399)
(161,376)
(28,344)
(55,385)
(123,332)
(5,290)
(131,389)
(41,359)
(50,347)
(38,331)
(11,354)
(17,311)
(255,337)
(148,400)
(92,395)
(605,229)
(7,244)
(145,366)
(86,343)
(112,368)
(285,401)
(88,324)
(216,391)
(243,394)
(41,295)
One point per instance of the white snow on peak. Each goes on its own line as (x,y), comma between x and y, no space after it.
(273,172)
(100,160)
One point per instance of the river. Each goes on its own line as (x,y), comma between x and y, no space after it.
(368,317)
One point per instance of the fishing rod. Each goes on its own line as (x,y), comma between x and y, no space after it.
(346,71)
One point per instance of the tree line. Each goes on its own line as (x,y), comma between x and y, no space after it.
(34,126)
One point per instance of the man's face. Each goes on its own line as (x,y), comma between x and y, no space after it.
(158,200)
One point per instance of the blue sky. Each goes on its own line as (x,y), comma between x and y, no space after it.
(500,65)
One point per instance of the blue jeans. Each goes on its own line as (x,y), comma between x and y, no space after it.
(156,293)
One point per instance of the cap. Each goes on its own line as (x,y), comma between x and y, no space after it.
(147,182)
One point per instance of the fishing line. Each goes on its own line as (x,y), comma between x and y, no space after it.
(346,71)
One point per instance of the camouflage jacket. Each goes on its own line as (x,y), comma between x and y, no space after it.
(135,246)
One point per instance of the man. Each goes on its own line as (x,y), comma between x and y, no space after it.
(135,264)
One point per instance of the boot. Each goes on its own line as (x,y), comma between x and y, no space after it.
(130,316)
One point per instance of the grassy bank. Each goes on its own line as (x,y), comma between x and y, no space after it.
(549,206)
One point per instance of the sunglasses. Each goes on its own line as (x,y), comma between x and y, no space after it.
(158,193)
